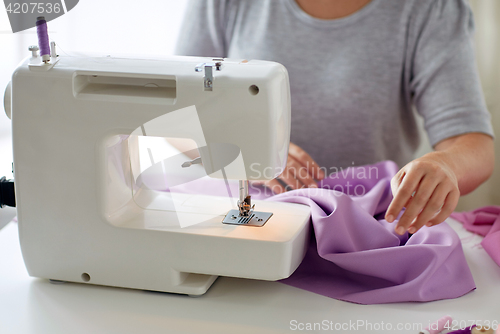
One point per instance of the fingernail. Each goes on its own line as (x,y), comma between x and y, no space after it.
(400,230)
(428,224)
(412,229)
(314,185)
(390,218)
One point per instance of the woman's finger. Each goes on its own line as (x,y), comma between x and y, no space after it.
(311,166)
(396,181)
(420,199)
(449,205)
(275,186)
(289,175)
(435,203)
(301,174)
(403,194)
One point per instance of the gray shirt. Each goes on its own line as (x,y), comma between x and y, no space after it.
(354,80)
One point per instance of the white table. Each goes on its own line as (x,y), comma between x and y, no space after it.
(236,306)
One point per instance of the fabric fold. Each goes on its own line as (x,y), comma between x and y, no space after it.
(484,221)
(356,256)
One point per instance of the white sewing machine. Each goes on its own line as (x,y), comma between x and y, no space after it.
(101,193)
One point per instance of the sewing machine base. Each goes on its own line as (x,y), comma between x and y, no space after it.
(198,286)
(147,250)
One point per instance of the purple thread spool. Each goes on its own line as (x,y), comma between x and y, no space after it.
(43,38)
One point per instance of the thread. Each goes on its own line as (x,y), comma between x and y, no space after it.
(437,326)
(466,330)
(43,37)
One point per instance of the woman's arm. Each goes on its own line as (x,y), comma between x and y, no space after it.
(429,187)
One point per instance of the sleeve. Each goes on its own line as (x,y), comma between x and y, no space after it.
(203,32)
(444,80)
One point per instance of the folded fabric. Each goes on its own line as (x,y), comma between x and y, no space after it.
(486,222)
(354,254)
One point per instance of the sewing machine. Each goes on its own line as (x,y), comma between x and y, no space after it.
(100,188)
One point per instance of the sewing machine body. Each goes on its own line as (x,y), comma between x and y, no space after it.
(83,214)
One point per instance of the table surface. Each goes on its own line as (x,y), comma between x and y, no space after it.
(232,305)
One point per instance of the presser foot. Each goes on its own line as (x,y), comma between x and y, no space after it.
(254,218)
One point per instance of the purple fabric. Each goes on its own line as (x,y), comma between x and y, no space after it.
(354,254)
(486,222)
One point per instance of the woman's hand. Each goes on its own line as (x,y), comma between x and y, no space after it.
(301,171)
(428,188)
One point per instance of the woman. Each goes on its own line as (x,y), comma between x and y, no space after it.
(358,69)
